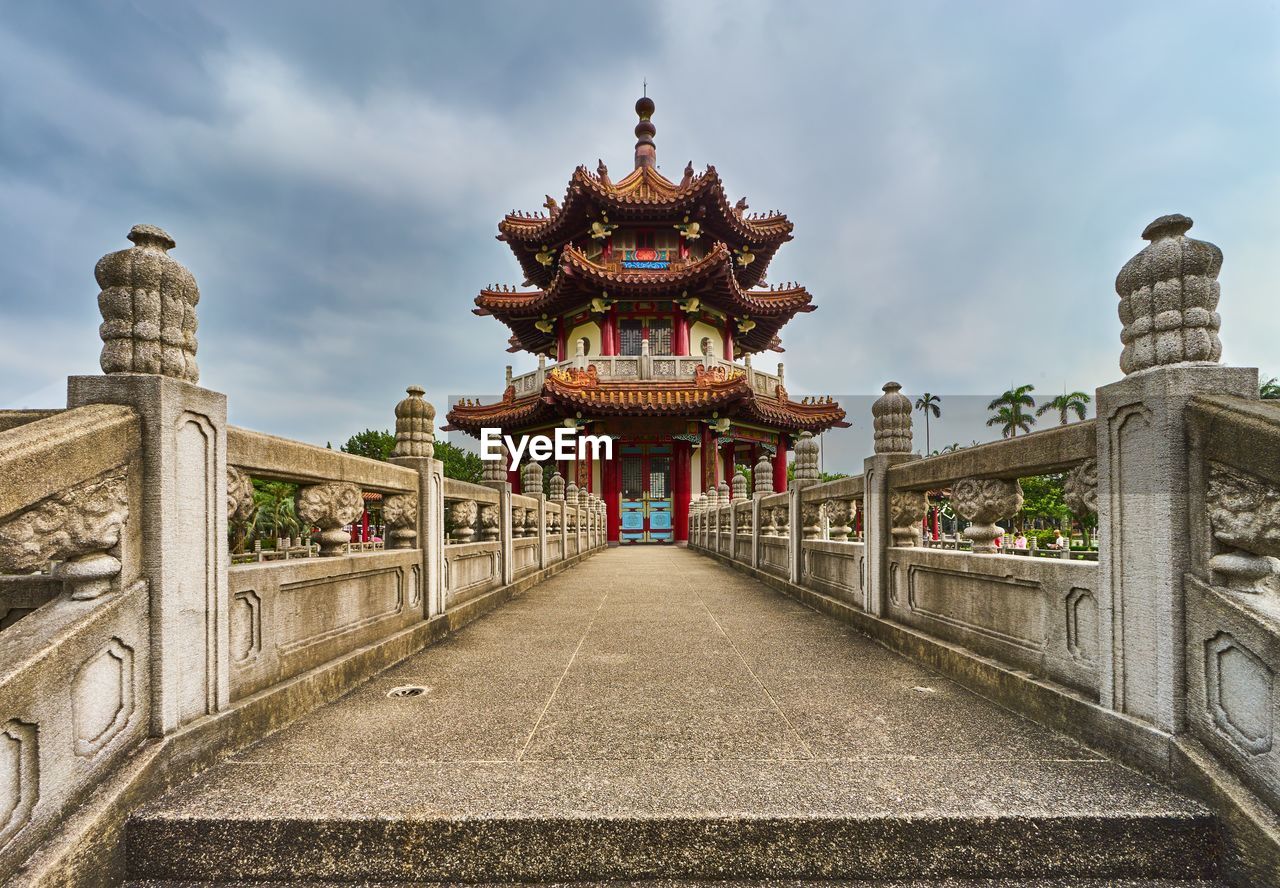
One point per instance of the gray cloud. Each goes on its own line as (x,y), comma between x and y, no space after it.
(965,180)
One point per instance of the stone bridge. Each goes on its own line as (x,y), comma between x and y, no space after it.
(804,695)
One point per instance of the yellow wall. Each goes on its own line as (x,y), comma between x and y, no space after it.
(696,334)
(591,330)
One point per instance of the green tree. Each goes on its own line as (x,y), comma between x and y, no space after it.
(275,511)
(928,403)
(373,443)
(459,464)
(465,465)
(1010,411)
(1066,404)
(1042,499)
(1270,389)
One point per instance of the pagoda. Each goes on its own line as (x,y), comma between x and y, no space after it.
(651,301)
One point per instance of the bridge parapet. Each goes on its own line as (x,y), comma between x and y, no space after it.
(173,588)
(1163,646)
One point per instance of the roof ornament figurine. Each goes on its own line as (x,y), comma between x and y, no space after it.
(688,176)
(603,172)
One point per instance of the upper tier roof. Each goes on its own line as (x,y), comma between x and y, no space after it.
(644,196)
(578,281)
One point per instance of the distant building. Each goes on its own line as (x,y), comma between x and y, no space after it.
(650,292)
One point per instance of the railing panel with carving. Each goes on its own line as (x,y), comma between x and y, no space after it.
(1233,591)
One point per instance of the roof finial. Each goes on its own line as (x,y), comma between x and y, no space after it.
(646,152)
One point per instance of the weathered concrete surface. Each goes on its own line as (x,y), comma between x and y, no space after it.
(652,713)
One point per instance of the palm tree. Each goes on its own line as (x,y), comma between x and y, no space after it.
(1009,411)
(1270,389)
(929,404)
(1067,403)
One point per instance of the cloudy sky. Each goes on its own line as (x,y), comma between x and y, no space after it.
(965,178)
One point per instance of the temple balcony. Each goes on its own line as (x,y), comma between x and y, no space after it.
(628,368)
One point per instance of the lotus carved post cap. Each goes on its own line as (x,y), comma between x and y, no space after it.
(1169,298)
(148,304)
(891,415)
(414,420)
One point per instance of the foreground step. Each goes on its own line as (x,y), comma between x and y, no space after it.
(525,849)
(772,883)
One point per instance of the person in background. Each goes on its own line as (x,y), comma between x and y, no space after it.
(1020,541)
(1058,541)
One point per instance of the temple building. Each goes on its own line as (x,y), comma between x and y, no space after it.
(651,301)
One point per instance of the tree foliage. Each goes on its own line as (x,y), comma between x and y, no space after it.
(1010,411)
(459,463)
(1067,403)
(373,443)
(1269,389)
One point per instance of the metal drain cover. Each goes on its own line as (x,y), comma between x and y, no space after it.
(407,691)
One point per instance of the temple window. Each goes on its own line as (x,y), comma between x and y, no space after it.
(631,334)
(660,337)
(585,342)
(704,347)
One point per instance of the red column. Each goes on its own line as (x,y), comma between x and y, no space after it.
(708,459)
(609,332)
(562,344)
(727,454)
(364,527)
(680,334)
(681,471)
(612,479)
(728,340)
(513,476)
(780,466)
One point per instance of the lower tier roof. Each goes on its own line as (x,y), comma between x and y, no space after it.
(568,392)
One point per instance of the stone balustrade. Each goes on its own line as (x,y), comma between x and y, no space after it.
(1163,645)
(134,648)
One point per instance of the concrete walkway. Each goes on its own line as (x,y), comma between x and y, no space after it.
(655,683)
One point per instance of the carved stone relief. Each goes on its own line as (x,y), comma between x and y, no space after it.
(330,507)
(400,511)
(19,776)
(1239,689)
(76,527)
(1244,516)
(984,501)
(1080,489)
(906,512)
(103,697)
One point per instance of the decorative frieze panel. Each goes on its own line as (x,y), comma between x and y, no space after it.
(906,512)
(1082,625)
(1080,489)
(462,519)
(103,697)
(330,507)
(400,511)
(1239,689)
(1244,516)
(246,626)
(19,776)
(77,528)
(984,501)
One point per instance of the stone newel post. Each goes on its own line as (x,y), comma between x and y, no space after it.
(891,421)
(1168,299)
(415,449)
(148,304)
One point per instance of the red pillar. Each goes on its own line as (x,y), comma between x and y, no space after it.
(680,334)
(562,343)
(780,466)
(727,455)
(728,340)
(612,479)
(708,459)
(513,476)
(681,472)
(364,527)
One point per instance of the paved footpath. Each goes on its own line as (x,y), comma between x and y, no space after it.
(655,682)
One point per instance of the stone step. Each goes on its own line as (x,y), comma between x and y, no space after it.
(538,849)
(667,883)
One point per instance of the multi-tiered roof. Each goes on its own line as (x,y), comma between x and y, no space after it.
(565,253)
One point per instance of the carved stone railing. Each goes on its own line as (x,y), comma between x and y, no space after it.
(134,648)
(75,621)
(1233,587)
